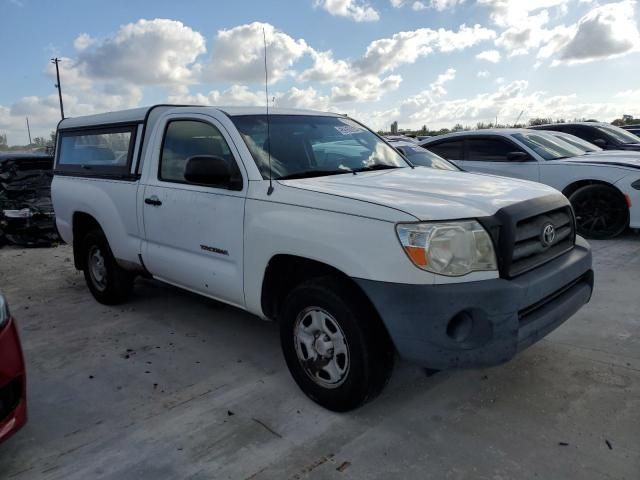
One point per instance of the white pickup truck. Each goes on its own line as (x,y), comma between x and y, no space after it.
(313,220)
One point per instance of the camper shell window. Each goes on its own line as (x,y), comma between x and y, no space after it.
(103,151)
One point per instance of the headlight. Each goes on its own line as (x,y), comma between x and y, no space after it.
(4,311)
(636,184)
(448,248)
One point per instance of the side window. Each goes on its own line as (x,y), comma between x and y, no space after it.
(97,151)
(184,139)
(449,149)
(490,149)
(588,133)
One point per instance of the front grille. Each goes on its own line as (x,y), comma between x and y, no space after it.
(10,397)
(517,233)
(529,247)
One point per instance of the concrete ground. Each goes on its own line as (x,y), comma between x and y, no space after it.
(174,386)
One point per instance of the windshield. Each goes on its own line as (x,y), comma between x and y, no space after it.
(311,146)
(424,158)
(548,146)
(619,134)
(576,142)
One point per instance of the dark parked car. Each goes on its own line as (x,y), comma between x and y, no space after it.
(635,129)
(13,380)
(603,135)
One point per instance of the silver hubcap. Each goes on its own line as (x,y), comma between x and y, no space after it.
(97,269)
(321,347)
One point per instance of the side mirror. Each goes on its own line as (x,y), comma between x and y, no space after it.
(208,170)
(600,142)
(518,156)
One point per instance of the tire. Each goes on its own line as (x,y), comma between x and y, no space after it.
(108,282)
(601,211)
(338,375)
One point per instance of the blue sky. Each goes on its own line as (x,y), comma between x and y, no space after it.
(434,62)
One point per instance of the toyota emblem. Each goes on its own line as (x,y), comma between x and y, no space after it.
(548,235)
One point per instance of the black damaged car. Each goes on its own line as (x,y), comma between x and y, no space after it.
(26,213)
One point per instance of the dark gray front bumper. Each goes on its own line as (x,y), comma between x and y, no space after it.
(482,323)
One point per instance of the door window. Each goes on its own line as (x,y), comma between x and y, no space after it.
(449,149)
(184,139)
(490,149)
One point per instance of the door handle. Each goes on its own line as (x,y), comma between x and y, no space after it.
(153,200)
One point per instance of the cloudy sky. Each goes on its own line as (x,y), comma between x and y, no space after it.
(433,62)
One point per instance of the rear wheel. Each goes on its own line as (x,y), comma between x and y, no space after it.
(334,344)
(108,282)
(601,211)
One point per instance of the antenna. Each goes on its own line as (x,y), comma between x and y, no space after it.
(28,130)
(266,94)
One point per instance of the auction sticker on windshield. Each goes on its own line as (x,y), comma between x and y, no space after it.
(350,127)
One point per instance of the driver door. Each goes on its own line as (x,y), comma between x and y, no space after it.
(193,233)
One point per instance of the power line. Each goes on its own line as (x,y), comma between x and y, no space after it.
(57,85)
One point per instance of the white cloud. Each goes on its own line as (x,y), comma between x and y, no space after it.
(241,95)
(437,87)
(492,56)
(365,88)
(238,53)
(483,74)
(83,41)
(439,5)
(363,80)
(628,94)
(445,4)
(507,13)
(507,102)
(605,32)
(406,47)
(146,52)
(357,10)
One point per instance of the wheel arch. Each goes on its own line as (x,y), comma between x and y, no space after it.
(575,186)
(82,223)
(285,271)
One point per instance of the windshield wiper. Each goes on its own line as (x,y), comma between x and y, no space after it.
(312,173)
(375,167)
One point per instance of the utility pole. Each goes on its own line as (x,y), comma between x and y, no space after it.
(28,130)
(57,85)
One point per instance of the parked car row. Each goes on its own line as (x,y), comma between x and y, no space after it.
(602,185)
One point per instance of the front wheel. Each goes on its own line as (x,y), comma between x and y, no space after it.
(108,282)
(601,211)
(334,344)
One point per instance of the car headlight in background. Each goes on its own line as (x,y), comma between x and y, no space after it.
(4,312)
(448,248)
(636,184)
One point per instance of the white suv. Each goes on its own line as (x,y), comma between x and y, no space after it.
(313,220)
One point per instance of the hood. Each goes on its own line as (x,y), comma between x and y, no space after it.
(611,158)
(429,194)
